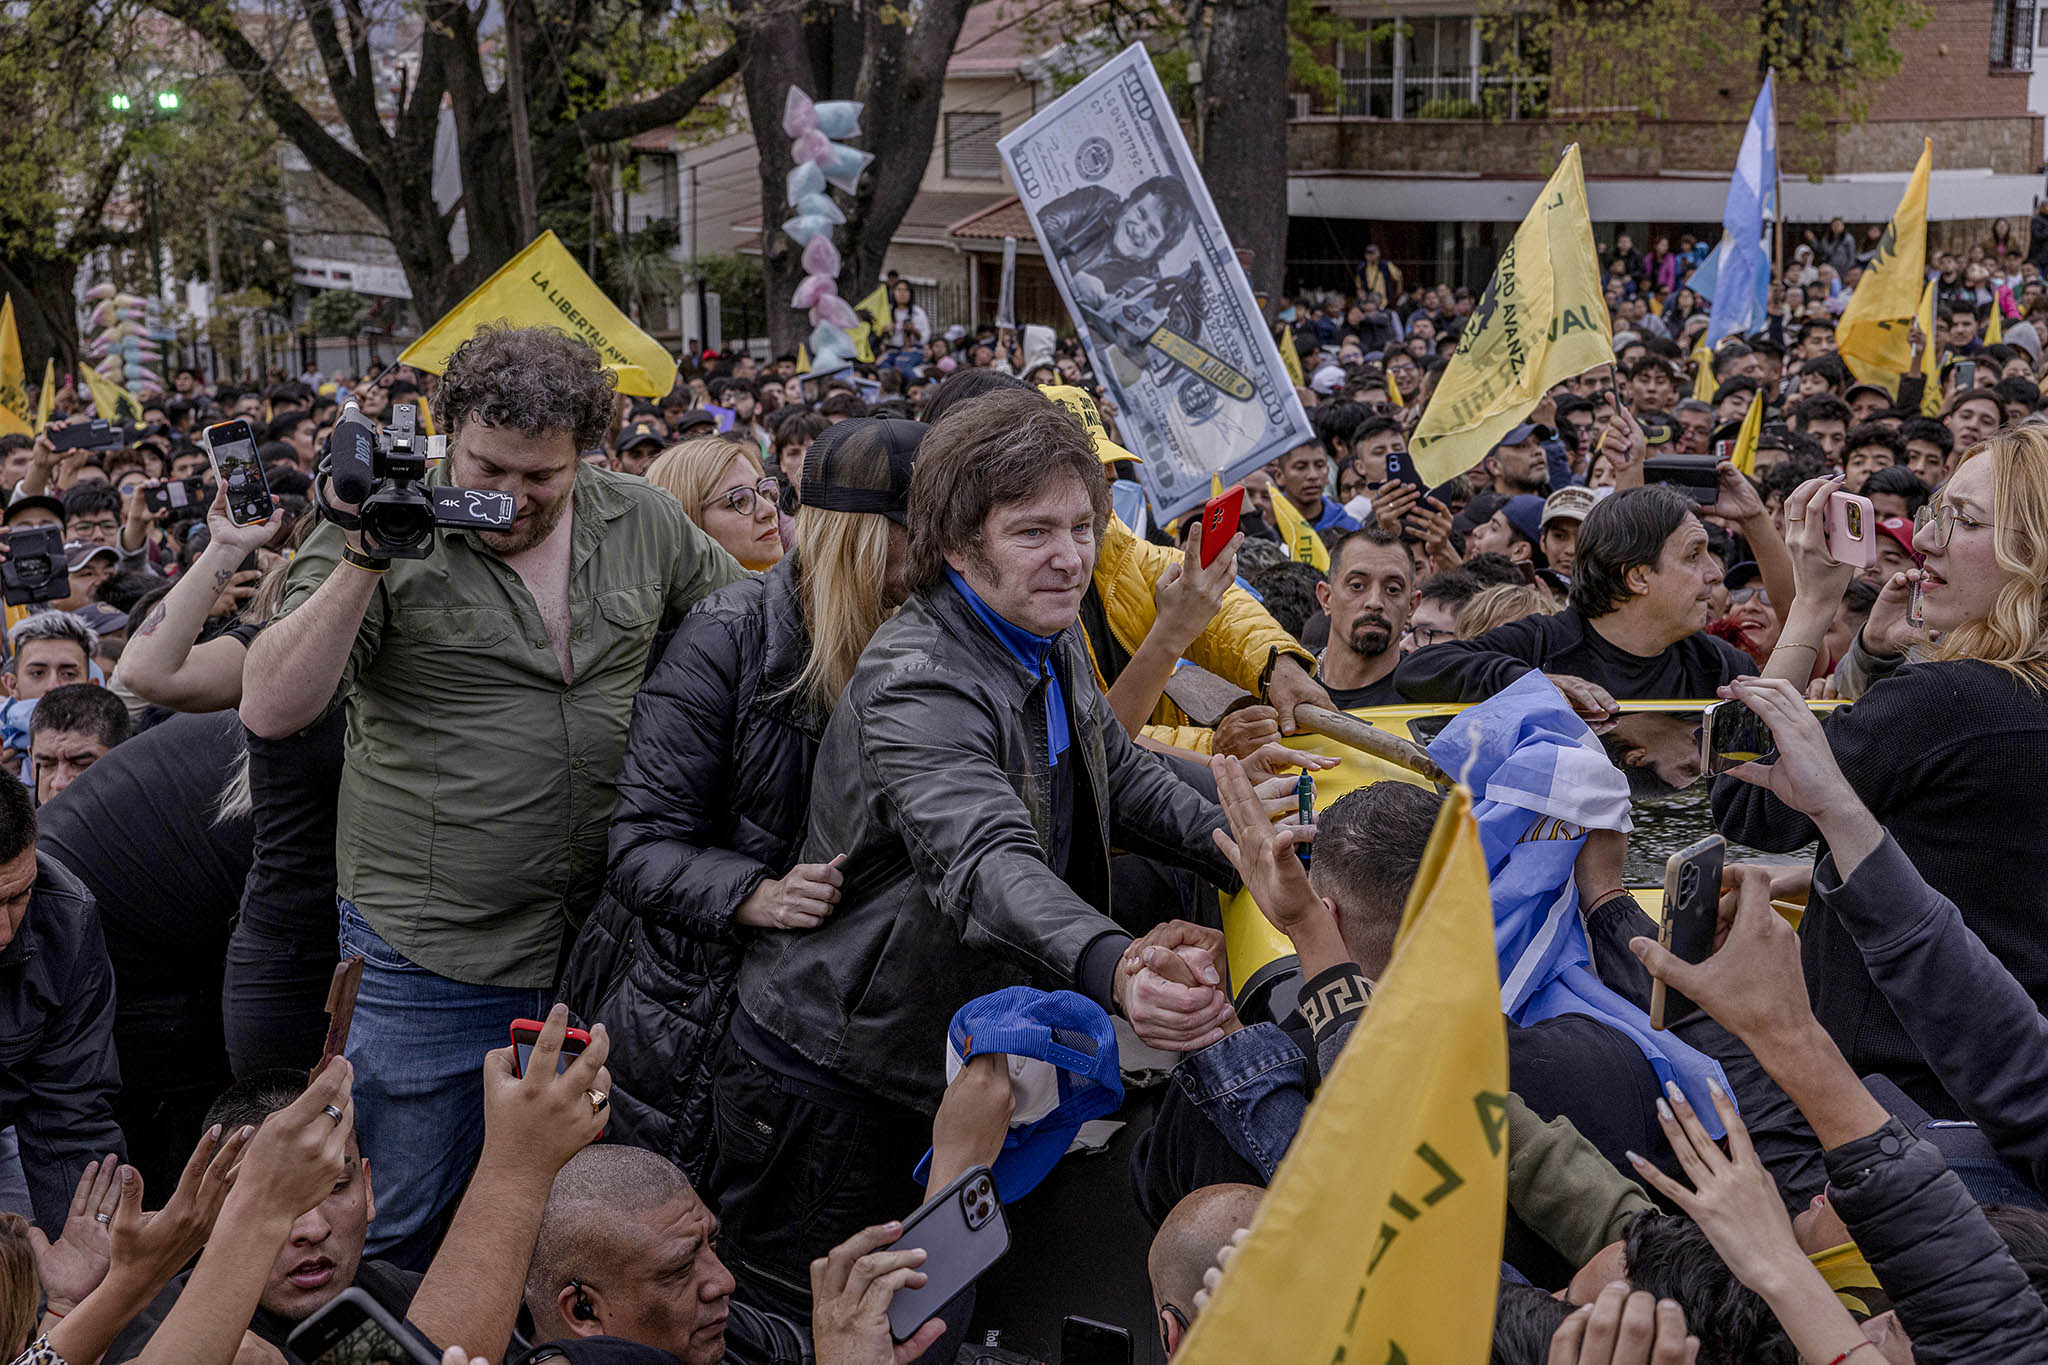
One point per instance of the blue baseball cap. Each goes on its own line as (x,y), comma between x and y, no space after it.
(1524,512)
(1063,1072)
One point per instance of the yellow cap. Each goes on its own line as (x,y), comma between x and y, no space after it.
(1077,402)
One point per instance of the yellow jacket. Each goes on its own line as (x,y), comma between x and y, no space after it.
(1241,643)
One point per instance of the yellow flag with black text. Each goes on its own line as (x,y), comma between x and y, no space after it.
(113,403)
(1541,320)
(1871,334)
(1379,1238)
(46,397)
(1304,546)
(544,287)
(14,414)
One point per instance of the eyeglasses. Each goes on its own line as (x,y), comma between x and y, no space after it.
(1430,635)
(105,525)
(741,500)
(1741,595)
(1932,526)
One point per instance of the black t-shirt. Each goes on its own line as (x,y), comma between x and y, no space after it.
(1697,667)
(386,1283)
(1381,693)
(138,829)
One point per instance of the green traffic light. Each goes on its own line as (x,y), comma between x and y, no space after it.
(167,99)
(121,102)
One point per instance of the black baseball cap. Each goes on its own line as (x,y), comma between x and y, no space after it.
(640,434)
(690,421)
(28,500)
(862,465)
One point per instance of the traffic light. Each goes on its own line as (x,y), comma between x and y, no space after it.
(167,100)
(120,102)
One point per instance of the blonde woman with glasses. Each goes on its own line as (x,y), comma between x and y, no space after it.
(722,488)
(1947,747)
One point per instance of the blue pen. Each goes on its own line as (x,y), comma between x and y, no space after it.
(1305,805)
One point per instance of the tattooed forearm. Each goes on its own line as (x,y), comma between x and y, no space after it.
(156,618)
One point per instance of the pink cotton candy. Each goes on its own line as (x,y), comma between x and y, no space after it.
(830,308)
(799,115)
(812,146)
(812,289)
(821,258)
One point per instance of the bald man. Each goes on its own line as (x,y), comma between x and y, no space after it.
(626,1249)
(1185,1249)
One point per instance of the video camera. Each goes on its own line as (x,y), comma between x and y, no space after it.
(383,471)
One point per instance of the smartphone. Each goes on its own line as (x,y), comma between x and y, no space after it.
(963,1232)
(354,1329)
(1692,905)
(1965,375)
(179,497)
(1724,450)
(1219,522)
(1084,1341)
(1693,475)
(526,1032)
(1400,466)
(1731,735)
(1915,617)
(94,435)
(1852,530)
(341,1010)
(233,448)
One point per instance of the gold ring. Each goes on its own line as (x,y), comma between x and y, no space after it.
(598,1100)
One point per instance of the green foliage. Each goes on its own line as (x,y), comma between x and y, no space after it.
(731,275)
(337,313)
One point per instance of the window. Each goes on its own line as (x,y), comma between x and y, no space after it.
(1442,66)
(971,146)
(2012,35)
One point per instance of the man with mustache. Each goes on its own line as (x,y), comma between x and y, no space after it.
(1369,593)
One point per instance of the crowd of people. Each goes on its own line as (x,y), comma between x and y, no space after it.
(799,764)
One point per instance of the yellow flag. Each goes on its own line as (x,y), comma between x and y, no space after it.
(1541,320)
(1743,457)
(876,315)
(1290,358)
(803,359)
(1379,1239)
(1871,333)
(1303,544)
(1215,485)
(1703,385)
(1994,330)
(114,403)
(13,378)
(1394,392)
(48,394)
(1930,395)
(544,287)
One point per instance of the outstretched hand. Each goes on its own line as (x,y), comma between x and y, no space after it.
(1752,985)
(851,1286)
(73,1266)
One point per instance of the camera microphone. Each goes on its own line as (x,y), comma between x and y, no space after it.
(352,447)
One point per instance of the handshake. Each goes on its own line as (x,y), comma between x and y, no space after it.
(1173,985)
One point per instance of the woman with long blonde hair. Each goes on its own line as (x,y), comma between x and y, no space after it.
(1949,743)
(716,787)
(722,488)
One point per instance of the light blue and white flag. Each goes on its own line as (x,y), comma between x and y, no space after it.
(1742,285)
(1539,781)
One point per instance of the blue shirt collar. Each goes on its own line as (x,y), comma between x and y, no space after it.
(1034,652)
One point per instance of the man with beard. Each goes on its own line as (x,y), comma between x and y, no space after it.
(1368,595)
(488,689)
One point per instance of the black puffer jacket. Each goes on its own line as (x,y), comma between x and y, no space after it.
(712,797)
(1959,1294)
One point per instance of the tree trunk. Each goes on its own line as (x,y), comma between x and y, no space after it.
(898,71)
(1244,153)
(45,316)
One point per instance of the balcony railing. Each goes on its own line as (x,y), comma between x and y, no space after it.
(1432,92)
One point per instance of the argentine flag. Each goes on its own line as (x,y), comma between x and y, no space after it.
(1743,275)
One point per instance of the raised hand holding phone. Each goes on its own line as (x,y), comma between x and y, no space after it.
(539,1115)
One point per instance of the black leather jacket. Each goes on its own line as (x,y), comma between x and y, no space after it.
(58,1075)
(933,780)
(712,796)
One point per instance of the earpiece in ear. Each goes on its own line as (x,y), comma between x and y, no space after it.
(581,1310)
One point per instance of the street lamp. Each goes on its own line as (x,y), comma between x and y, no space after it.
(163,102)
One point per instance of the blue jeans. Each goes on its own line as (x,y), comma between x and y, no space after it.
(417,1046)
